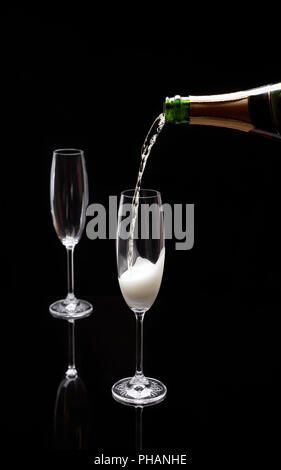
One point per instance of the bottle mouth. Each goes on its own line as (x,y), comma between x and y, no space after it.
(177,109)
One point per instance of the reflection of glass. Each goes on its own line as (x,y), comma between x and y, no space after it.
(71,369)
(71,416)
(139,422)
(69,199)
(139,410)
(140,262)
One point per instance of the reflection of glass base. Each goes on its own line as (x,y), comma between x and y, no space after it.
(71,310)
(71,373)
(139,391)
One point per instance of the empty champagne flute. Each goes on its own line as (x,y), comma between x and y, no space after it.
(140,261)
(69,200)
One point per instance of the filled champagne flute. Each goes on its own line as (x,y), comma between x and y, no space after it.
(69,200)
(140,253)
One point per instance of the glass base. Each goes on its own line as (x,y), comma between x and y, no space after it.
(69,310)
(139,391)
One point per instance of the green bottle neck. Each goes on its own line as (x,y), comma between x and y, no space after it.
(177,109)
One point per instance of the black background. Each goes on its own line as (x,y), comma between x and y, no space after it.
(95,79)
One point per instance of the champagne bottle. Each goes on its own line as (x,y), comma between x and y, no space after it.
(257,110)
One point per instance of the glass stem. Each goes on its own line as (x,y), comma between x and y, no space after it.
(70,273)
(139,344)
(71,371)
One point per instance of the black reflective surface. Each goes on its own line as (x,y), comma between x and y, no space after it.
(223,383)
(213,335)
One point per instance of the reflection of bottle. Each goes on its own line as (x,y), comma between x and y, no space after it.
(258,110)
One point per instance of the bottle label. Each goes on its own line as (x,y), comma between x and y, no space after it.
(260,112)
(275,102)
